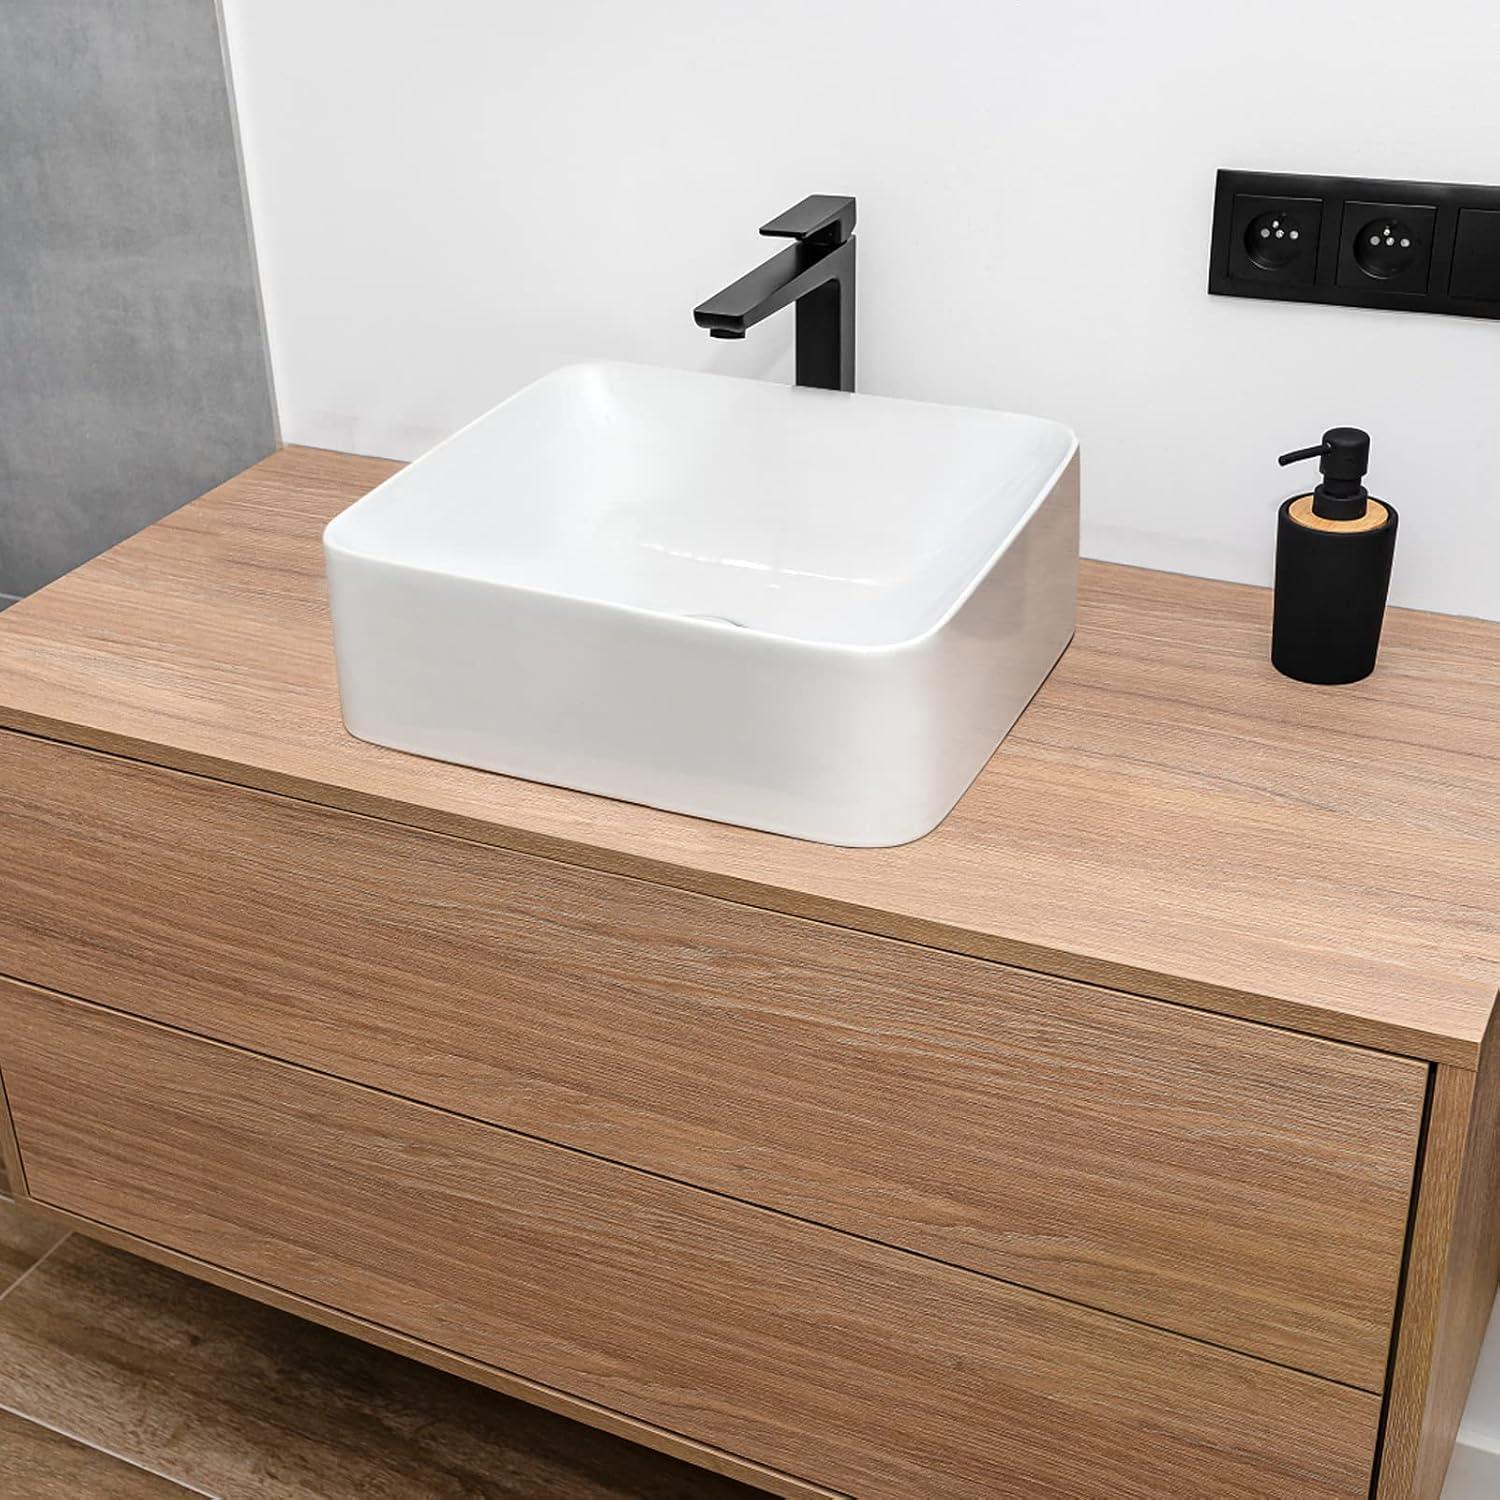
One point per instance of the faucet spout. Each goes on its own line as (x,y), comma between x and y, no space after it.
(817,274)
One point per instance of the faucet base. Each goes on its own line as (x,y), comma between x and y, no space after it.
(825,332)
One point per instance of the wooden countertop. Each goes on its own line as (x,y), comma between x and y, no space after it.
(1169,817)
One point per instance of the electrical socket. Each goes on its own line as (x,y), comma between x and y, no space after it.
(1361,242)
(1273,239)
(1388,245)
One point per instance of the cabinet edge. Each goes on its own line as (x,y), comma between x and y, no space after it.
(1453,1270)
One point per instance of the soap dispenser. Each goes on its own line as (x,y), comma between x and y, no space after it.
(1333,567)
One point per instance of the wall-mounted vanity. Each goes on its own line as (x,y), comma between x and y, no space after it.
(1132,1135)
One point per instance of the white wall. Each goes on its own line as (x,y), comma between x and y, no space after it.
(452,196)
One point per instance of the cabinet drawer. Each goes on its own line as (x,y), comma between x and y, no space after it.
(1244,1185)
(860,1367)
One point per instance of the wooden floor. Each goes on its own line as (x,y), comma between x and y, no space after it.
(121,1379)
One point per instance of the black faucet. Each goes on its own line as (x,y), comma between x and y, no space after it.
(817,273)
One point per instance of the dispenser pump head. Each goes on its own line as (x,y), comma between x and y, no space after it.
(1344,456)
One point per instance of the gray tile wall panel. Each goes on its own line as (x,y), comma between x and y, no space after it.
(133,370)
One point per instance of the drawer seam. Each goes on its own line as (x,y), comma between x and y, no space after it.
(1418,1167)
(694,1187)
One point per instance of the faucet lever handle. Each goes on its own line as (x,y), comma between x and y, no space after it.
(822,219)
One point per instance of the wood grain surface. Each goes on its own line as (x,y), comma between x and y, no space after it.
(580,1412)
(879,1372)
(1245,1185)
(1169,816)
(245,1402)
(1453,1273)
(12,1181)
(38,1464)
(1374,517)
(25,1238)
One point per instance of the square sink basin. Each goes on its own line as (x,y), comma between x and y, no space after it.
(811,612)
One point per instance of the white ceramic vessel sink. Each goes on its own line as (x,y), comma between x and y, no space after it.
(804,611)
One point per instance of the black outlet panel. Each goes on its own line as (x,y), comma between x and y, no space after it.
(1357,242)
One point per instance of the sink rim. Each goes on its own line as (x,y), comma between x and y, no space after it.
(745,634)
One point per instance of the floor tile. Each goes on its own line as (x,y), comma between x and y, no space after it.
(250,1403)
(43,1465)
(24,1239)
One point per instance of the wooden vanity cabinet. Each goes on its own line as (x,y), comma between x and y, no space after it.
(1245,1186)
(986,1167)
(773,1338)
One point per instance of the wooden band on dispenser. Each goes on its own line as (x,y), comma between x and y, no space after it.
(1302,512)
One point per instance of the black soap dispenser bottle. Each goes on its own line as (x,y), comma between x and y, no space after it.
(1333,567)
